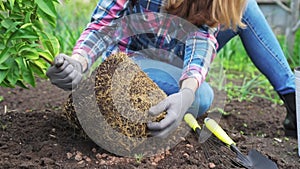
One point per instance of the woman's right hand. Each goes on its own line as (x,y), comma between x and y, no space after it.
(176,106)
(66,72)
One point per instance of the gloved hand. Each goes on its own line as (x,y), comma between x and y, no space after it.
(176,106)
(65,73)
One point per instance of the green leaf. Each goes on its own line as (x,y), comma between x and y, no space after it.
(55,45)
(3,74)
(4,67)
(23,34)
(40,64)
(38,25)
(28,76)
(26,25)
(27,17)
(13,27)
(50,43)
(31,55)
(27,73)
(47,7)
(49,19)
(21,84)
(4,83)
(16,16)
(2,6)
(45,54)
(27,48)
(21,63)
(13,74)
(41,72)
(20,45)
(39,68)
(29,4)
(12,2)
(4,55)
(2,46)
(7,23)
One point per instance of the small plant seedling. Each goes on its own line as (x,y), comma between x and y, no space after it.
(286,139)
(138,158)
(261,134)
(221,111)
(3,126)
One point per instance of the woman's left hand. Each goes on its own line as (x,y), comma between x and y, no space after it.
(176,106)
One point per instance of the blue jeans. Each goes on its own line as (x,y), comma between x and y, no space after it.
(167,76)
(261,46)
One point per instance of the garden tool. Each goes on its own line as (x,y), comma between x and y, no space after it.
(214,149)
(192,122)
(254,159)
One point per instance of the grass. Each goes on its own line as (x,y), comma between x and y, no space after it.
(234,71)
(243,79)
(294,57)
(73,16)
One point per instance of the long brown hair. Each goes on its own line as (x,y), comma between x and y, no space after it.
(227,13)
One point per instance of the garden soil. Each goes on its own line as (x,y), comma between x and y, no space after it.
(35,134)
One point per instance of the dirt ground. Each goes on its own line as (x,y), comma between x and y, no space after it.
(34,134)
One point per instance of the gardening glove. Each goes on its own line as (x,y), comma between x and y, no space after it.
(176,106)
(65,73)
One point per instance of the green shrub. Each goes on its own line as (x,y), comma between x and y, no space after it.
(25,48)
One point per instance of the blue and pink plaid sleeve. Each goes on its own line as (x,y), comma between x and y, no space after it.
(200,51)
(93,40)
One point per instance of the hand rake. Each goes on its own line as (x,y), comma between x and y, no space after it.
(254,159)
(214,150)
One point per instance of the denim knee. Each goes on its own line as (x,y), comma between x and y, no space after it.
(203,100)
(164,80)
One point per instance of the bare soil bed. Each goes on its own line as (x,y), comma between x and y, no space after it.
(34,134)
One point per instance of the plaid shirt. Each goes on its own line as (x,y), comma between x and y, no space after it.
(107,34)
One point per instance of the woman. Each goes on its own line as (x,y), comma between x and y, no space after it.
(217,21)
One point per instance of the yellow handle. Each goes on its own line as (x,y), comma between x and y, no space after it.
(217,130)
(191,121)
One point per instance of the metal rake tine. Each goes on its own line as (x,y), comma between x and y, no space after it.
(226,159)
(233,159)
(207,139)
(210,141)
(227,162)
(205,149)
